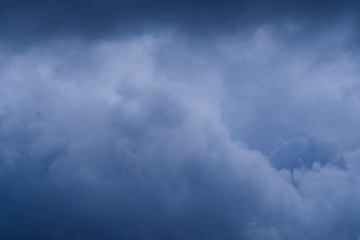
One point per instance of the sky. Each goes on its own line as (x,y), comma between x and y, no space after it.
(173,120)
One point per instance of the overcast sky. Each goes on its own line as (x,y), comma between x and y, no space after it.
(179,120)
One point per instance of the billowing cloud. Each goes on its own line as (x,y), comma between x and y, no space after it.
(167,135)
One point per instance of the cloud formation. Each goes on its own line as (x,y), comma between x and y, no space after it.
(166,135)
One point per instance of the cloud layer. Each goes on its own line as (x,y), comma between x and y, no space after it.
(132,139)
(24,22)
(177,134)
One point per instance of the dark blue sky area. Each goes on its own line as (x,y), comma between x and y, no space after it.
(39,19)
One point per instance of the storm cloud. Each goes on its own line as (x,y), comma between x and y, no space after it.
(179,120)
(24,22)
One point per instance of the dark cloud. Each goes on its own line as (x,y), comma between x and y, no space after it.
(24,21)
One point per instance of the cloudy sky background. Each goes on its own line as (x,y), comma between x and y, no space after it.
(179,120)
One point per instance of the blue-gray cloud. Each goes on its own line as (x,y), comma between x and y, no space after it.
(303,153)
(163,137)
